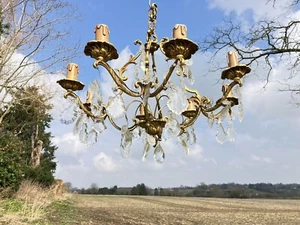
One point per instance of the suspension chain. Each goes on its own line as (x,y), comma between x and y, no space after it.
(152,22)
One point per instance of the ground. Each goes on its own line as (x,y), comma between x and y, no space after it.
(105,210)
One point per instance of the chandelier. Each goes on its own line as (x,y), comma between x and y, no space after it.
(163,108)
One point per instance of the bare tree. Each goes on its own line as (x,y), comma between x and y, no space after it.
(268,41)
(34,46)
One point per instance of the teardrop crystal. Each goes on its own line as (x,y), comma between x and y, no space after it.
(192,136)
(115,107)
(146,150)
(159,154)
(92,137)
(183,140)
(126,141)
(177,102)
(70,112)
(221,135)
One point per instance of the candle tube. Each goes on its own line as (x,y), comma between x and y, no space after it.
(72,71)
(89,96)
(232,59)
(180,31)
(101,32)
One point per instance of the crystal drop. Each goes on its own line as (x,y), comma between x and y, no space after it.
(142,58)
(115,88)
(151,140)
(192,136)
(172,127)
(146,150)
(136,133)
(115,107)
(230,131)
(240,111)
(99,126)
(79,123)
(178,70)
(126,141)
(221,135)
(83,133)
(70,112)
(223,114)
(191,76)
(183,140)
(94,88)
(210,121)
(177,102)
(92,137)
(159,154)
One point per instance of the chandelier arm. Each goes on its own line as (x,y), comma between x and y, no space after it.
(158,99)
(212,116)
(119,128)
(225,95)
(165,81)
(83,107)
(132,60)
(120,83)
(189,122)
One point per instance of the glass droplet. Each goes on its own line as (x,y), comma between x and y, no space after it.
(177,102)
(115,107)
(159,154)
(92,137)
(126,141)
(70,112)
(183,140)
(221,135)
(146,150)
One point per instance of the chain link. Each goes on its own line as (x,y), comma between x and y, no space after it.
(152,21)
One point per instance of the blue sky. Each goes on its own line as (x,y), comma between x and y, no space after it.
(266,147)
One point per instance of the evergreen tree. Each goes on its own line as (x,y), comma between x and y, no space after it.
(28,121)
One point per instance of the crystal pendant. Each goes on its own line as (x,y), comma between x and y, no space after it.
(221,135)
(190,76)
(99,126)
(92,137)
(159,154)
(230,131)
(79,123)
(177,102)
(223,114)
(210,120)
(70,112)
(146,150)
(172,127)
(183,140)
(240,106)
(142,57)
(83,133)
(126,141)
(94,89)
(192,136)
(151,140)
(136,133)
(115,107)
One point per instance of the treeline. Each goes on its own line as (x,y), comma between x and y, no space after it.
(229,190)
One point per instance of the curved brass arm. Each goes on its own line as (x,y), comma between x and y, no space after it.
(219,102)
(165,81)
(119,128)
(83,106)
(189,122)
(121,85)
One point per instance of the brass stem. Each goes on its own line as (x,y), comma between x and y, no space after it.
(165,81)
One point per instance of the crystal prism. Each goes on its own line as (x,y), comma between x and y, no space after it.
(99,126)
(230,131)
(190,76)
(240,111)
(79,123)
(70,113)
(94,89)
(210,120)
(92,137)
(221,135)
(115,107)
(183,140)
(126,141)
(159,154)
(192,136)
(83,133)
(177,102)
(172,127)
(146,150)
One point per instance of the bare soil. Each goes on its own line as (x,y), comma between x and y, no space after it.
(119,210)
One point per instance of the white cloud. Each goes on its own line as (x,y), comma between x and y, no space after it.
(105,163)
(261,159)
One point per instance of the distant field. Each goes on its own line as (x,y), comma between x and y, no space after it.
(147,210)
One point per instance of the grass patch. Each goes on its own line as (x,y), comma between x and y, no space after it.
(61,212)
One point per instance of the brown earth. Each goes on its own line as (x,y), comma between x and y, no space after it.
(119,210)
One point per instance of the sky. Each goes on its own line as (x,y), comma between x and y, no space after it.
(267,141)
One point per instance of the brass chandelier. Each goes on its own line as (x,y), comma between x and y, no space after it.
(160,104)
